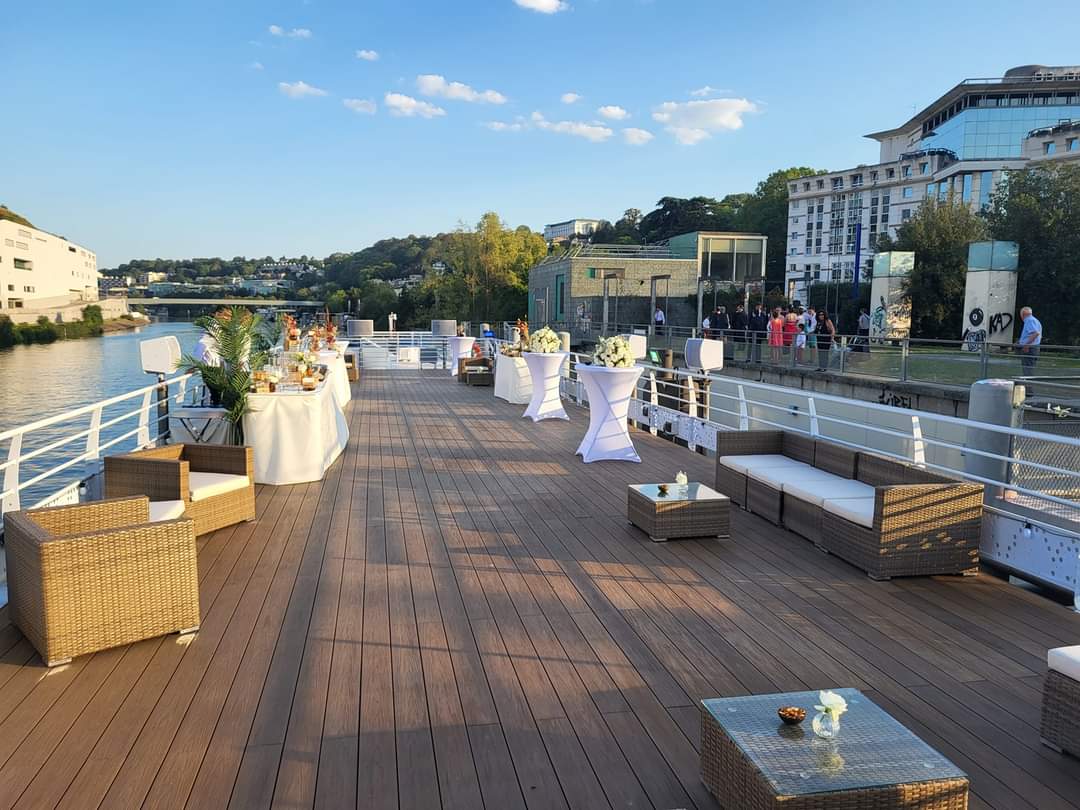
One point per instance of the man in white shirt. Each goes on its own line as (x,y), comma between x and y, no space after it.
(1030,339)
(659,320)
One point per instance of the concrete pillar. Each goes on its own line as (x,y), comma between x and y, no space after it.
(996,402)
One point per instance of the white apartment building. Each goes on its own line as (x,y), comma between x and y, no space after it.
(39,270)
(961,145)
(560,231)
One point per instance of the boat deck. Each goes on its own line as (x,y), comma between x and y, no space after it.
(459,616)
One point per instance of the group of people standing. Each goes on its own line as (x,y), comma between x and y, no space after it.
(808,330)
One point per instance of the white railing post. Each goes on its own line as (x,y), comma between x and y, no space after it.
(181,390)
(93,441)
(143,436)
(744,413)
(10,502)
(654,401)
(918,446)
(815,430)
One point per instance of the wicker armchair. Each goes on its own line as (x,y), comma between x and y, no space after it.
(164,474)
(97,575)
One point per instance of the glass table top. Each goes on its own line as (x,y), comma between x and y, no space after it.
(679,492)
(871,750)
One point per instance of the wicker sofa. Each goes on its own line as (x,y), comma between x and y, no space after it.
(212,484)
(1060,726)
(887,517)
(97,575)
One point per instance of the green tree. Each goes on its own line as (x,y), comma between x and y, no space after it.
(1039,209)
(91,315)
(9,336)
(675,215)
(939,233)
(7,213)
(766,212)
(375,299)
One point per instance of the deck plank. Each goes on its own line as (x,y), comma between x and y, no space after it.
(459,616)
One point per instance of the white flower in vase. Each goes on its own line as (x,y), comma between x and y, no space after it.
(680,478)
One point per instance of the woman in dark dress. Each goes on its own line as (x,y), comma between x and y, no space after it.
(826,330)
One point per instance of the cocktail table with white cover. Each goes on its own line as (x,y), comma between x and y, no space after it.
(545,371)
(296,436)
(458,348)
(609,391)
(334,360)
(512,380)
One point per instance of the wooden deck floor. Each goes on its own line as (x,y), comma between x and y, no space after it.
(459,616)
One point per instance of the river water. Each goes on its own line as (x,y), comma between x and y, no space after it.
(40,381)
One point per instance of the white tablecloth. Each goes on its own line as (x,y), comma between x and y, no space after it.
(458,348)
(545,371)
(295,436)
(512,380)
(609,391)
(339,375)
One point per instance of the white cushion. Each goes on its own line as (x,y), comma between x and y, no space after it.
(742,464)
(815,491)
(857,510)
(166,510)
(207,485)
(1065,660)
(777,476)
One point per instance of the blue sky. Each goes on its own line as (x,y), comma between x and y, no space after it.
(146,129)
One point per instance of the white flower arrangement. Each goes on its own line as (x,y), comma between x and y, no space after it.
(831,704)
(680,478)
(544,341)
(613,352)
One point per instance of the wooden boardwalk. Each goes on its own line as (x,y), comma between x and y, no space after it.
(459,616)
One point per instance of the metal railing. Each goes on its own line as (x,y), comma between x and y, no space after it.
(47,460)
(392,350)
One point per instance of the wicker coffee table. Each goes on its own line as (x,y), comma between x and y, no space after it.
(688,510)
(750,759)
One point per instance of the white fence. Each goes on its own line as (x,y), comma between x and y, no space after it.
(78,438)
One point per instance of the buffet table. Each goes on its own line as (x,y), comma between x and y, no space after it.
(512,380)
(334,359)
(296,435)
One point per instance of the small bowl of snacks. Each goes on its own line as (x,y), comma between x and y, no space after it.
(791,715)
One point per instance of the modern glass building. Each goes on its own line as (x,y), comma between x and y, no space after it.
(960,147)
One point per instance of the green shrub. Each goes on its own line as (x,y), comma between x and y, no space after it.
(91,315)
(9,336)
(44,331)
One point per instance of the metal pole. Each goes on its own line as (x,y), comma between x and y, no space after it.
(858,258)
(162,407)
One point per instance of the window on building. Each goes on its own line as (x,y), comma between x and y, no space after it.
(806,186)
(966,193)
(1072,145)
(905,214)
(924,168)
(27,288)
(838,182)
(560,290)
(23,264)
(71,249)
(907,193)
(821,184)
(906,171)
(590,272)
(931,189)
(794,187)
(856,179)
(796,203)
(11,287)
(1049,148)
(873,177)
(890,174)
(986,188)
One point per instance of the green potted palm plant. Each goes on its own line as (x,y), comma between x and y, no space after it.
(234,334)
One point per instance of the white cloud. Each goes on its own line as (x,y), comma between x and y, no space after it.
(256,66)
(433,85)
(693,121)
(408,107)
(299,89)
(613,112)
(368,56)
(637,137)
(705,92)
(292,33)
(360,105)
(543,6)
(569,98)
(597,133)
(503,126)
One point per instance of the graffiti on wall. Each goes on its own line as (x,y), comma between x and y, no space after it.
(890,397)
(979,328)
